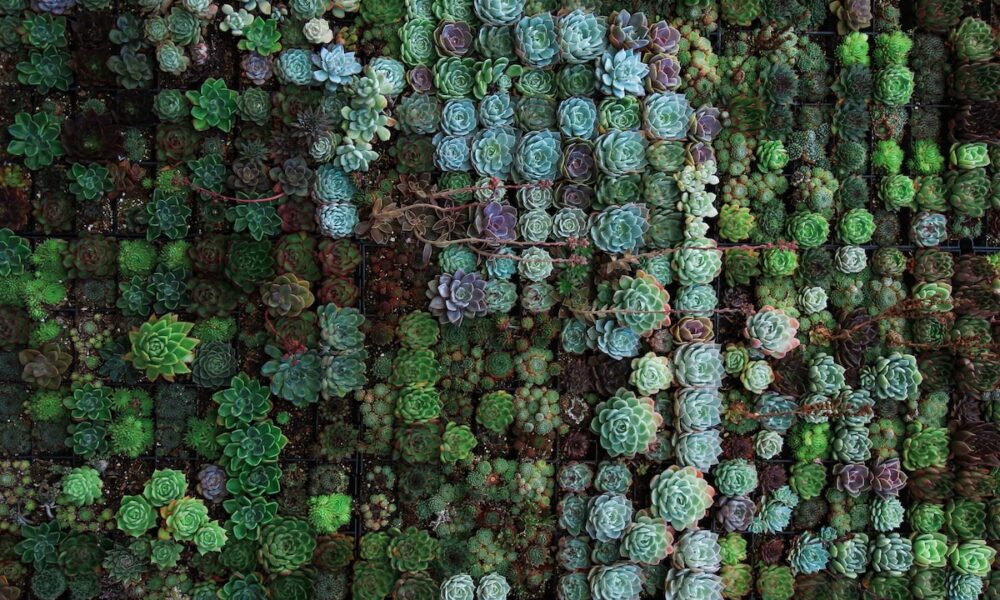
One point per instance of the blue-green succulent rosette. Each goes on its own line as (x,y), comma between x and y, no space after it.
(535,40)
(617,341)
(577,117)
(537,156)
(619,229)
(452,153)
(492,151)
(582,36)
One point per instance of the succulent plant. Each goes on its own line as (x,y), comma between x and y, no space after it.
(622,72)
(161,348)
(626,424)
(582,36)
(852,15)
(692,583)
(619,581)
(681,496)
(772,331)
(535,40)
(36,138)
(619,229)
(647,540)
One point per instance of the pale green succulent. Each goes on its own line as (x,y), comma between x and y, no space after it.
(647,540)
(667,116)
(693,585)
(651,374)
(641,303)
(535,40)
(849,556)
(698,449)
(620,152)
(681,496)
(826,377)
(621,72)
(735,477)
(772,331)
(699,550)
(896,377)
(891,554)
(626,423)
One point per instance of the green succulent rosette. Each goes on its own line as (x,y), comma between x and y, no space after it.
(626,423)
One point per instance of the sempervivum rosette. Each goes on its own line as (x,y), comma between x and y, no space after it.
(772,331)
(681,496)
(626,423)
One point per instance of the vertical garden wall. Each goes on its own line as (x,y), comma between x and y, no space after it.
(499,299)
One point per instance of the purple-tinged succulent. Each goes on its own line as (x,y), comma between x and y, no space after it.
(578,162)
(700,152)
(56,7)
(706,124)
(852,479)
(576,196)
(497,222)
(454,297)
(628,31)
(257,68)
(421,79)
(212,483)
(664,37)
(199,54)
(887,477)
(735,512)
(454,38)
(664,73)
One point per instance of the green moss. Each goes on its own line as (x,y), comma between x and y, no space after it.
(47,406)
(48,259)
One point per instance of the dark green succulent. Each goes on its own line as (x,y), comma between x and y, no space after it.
(167,216)
(46,70)
(89,182)
(296,377)
(213,105)
(36,138)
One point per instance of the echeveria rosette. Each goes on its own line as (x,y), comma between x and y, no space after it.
(664,73)
(735,477)
(698,449)
(809,554)
(620,152)
(538,156)
(582,36)
(617,341)
(698,550)
(620,229)
(577,117)
(496,222)
(607,516)
(896,192)
(454,297)
(667,116)
(692,584)
(493,586)
(888,478)
(626,423)
(454,38)
(697,261)
(628,30)
(896,377)
(161,347)
(618,581)
(681,496)
(417,46)
(698,364)
(891,554)
(772,331)
(454,77)
(334,67)
(492,152)
(849,555)
(135,515)
(498,12)
(972,557)
(535,40)
(757,376)
(641,303)
(621,72)
(697,409)
(651,374)
(647,540)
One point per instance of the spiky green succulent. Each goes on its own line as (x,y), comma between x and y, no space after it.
(161,348)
